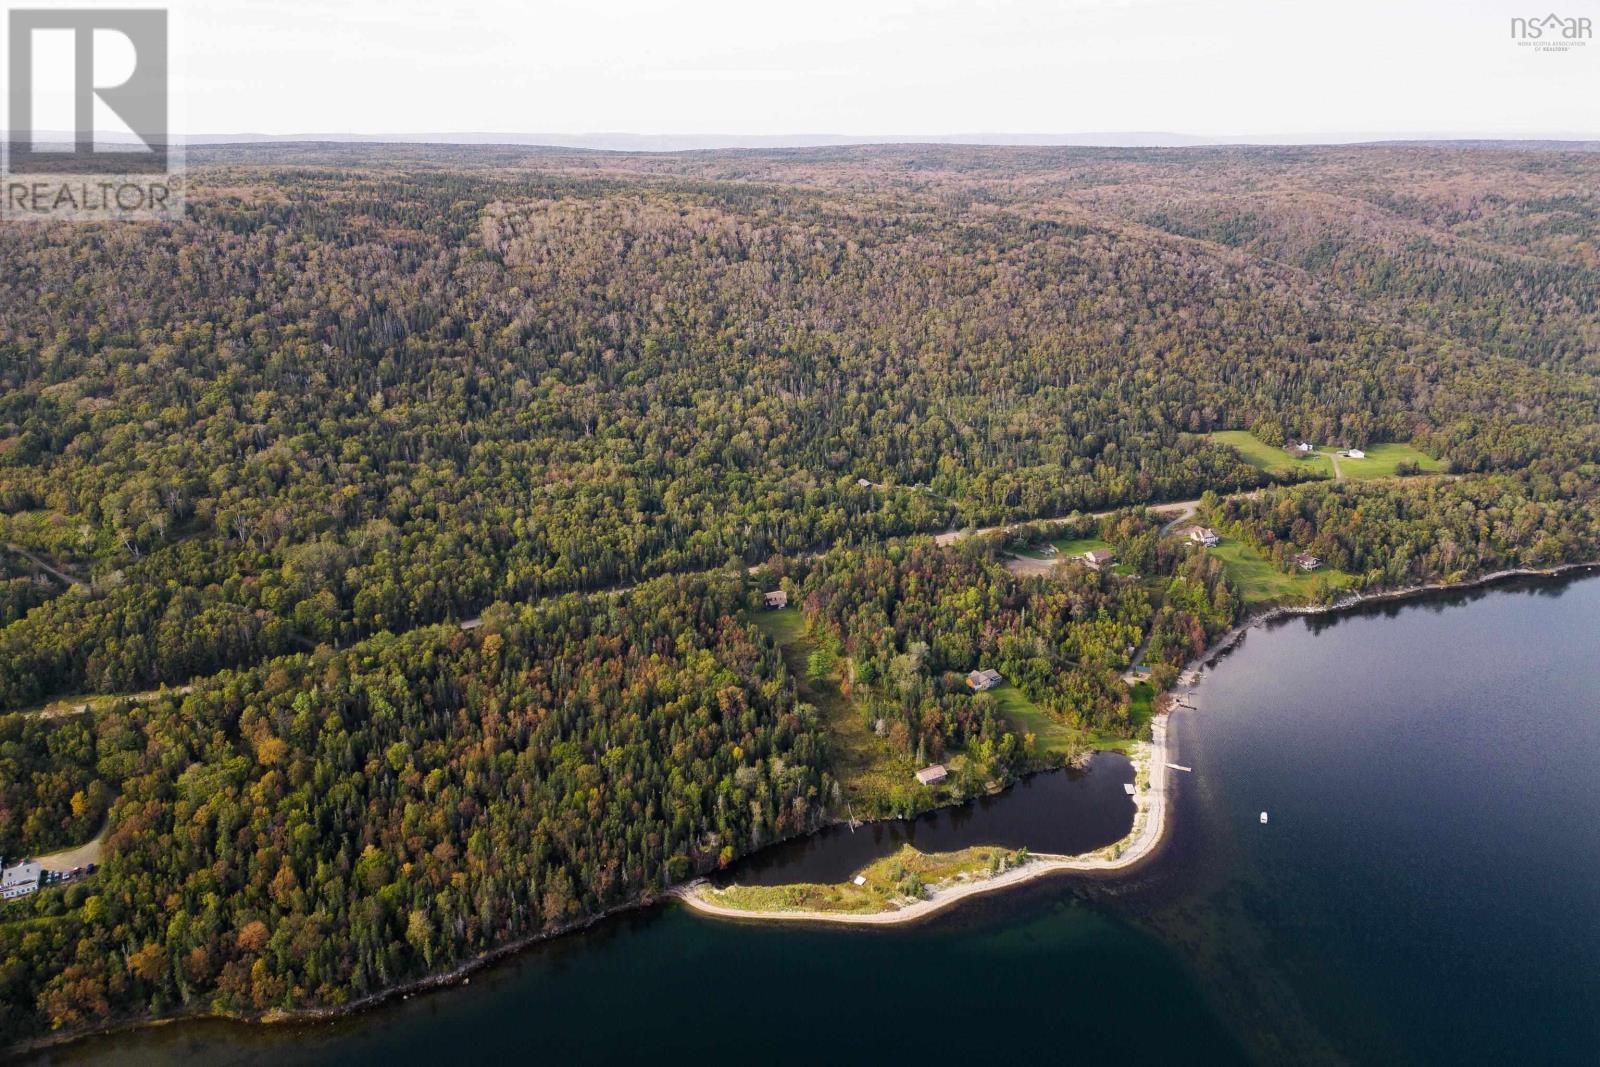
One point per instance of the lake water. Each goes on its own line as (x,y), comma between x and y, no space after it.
(1065,812)
(1425,892)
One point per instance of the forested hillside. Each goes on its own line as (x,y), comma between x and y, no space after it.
(374,396)
(282,449)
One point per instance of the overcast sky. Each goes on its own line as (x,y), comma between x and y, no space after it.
(1206,67)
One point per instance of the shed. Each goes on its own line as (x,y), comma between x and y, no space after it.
(932,774)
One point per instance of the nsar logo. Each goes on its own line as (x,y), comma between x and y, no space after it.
(1552,33)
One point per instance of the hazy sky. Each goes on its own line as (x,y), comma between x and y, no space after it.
(1258,67)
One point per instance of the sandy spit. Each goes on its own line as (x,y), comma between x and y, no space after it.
(1149,827)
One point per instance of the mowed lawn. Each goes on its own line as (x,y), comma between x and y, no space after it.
(1259,581)
(1050,738)
(1077,546)
(1265,457)
(785,627)
(1064,547)
(1383,459)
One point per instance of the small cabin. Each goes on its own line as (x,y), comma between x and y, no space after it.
(775,599)
(1356,453)
(981,680)
(1097,558)
(932,774)
(1307,562)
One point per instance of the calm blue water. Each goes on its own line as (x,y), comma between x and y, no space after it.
(1066,812)
(1427,891)
(1428,887)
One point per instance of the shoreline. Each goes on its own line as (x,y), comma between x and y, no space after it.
(1143,839)
(1150,816)
(1356,600)
(1151,837)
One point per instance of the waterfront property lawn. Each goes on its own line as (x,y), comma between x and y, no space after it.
(1052,740)
(1141,705)
(1260,582)
(1265,457)
(888,882)
(1381,460)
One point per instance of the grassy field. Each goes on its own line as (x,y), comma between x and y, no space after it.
(1260,582)
(873,778)
(1265,457)
(1053,742)
(785,627)
(889,881)
(1141,707)
(1077,546)
(1382,459)
(1064,547)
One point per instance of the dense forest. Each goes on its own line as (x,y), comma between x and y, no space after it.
(283,448)
(51,792)
(317,828)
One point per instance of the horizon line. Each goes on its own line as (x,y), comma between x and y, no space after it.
(621,140)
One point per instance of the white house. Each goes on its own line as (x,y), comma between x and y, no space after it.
(19,880)
(777,598)
(1356,453)
(1204,535)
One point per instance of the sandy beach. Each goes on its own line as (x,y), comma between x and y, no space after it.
(1149,826)
(1150,816)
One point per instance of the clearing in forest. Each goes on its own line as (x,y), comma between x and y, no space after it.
(1381,460)
(1260,581)
(1270,458)
(869,772)
(1053,741)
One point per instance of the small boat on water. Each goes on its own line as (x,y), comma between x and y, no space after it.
(1263,818)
